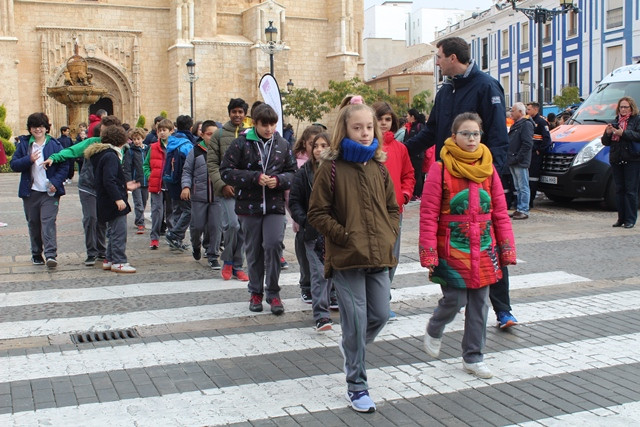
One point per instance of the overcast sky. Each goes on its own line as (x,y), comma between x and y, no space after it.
(450,4)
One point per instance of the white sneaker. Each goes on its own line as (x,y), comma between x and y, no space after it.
(432,345)
(123,268)
(106,265)
(479,369)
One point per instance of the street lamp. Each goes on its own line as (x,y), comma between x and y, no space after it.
(289,86)
(191,70)
(272,46)
(540,16)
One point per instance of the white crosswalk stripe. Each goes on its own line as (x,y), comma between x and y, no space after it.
(248,402)
(239,403)
(205,312)
(252,344)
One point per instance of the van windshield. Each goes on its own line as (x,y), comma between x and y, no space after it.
(600,106)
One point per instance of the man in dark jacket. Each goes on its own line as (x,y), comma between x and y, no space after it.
(466,88)
(519,157)
(541,144)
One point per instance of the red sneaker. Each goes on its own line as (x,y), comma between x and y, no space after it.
(140,229)
(240,275)
(154,244)
(276,306)
(255,303)
(227,271)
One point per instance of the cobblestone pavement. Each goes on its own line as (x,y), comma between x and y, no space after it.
(200,357)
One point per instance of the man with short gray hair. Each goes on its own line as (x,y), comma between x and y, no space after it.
(519,157)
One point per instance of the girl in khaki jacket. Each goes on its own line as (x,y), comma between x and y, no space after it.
(353,204)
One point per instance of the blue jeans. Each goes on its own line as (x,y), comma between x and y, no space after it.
(521,184)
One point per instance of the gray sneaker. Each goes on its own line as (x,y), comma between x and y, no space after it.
(479,369)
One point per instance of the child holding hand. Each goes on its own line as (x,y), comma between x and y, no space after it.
(465,238)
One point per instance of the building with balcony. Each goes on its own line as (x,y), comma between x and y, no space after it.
(578,48)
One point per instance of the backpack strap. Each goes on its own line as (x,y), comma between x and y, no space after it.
(333,176)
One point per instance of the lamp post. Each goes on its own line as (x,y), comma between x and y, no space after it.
(272,46)
(289,86)
(191,70)
(540,16)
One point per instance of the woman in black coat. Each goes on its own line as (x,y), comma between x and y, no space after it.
(623,136)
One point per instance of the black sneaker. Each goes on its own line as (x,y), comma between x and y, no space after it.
(37,260)
(51,262)
(214,264)
(197,254)
(173,243)
(333,301)
(283,263)
(100,258)
(91,260)
(276,305)
(305,295)
(255,303)
(324,324)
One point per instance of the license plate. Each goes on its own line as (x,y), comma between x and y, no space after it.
(549,179)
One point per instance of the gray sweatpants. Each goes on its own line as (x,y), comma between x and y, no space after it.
(140,197)
(117,240)
(226,220)
(320,287)
(303,262)
(363,296)
(181,217)
(159,213)
(396,251)
(41,211)
(263,236)
(95,232)
(475,318)
(203,224)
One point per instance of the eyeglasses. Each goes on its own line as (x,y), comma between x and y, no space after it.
(624,106)
(467,134)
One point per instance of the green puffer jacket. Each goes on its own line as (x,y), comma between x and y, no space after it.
(220,141)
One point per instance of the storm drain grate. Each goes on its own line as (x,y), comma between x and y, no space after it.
(119,334)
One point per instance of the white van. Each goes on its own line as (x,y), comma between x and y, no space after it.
(577,165)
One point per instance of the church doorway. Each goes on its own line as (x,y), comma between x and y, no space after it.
(104,104)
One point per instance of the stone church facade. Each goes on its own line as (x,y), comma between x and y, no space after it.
(138,51)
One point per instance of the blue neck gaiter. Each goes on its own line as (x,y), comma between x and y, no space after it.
(355,152)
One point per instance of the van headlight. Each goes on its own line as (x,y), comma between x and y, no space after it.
(588,152)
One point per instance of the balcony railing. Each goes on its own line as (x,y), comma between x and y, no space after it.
(523,97)
(524,46)
(572,32)
(505,52)
(547,96)
(485,62)
(546,40)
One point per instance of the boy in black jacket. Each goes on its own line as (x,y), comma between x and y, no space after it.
(133,171)
(111,190)
(260,166)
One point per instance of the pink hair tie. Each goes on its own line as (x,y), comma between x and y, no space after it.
(356,100)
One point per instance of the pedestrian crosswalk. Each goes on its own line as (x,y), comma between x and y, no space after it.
(284,371)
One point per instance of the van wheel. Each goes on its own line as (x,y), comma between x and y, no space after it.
(558,199)
(610,196)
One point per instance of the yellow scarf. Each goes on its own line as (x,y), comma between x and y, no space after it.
(476,166)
